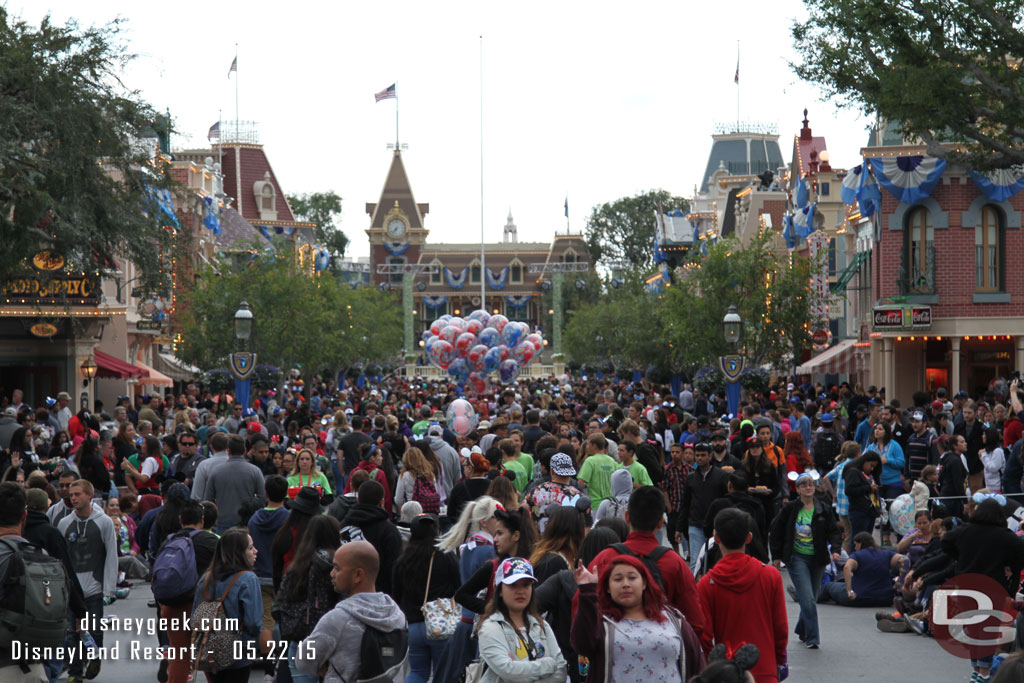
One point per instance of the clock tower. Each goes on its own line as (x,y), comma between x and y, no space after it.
(396,231)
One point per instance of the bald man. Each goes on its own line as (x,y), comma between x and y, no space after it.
(332,649)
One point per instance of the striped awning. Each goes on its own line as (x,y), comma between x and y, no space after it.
(833,360)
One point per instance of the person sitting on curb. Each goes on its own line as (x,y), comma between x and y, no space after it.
(867,575)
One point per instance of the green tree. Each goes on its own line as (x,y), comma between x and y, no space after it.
(316,322)
(771,293)
(943,70)
(322,208)
(623,230)
(71,164)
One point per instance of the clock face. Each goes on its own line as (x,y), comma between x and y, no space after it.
(396,228)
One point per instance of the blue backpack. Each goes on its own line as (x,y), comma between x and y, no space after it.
(175,567)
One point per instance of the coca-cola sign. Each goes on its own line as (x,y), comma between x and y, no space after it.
(902,317)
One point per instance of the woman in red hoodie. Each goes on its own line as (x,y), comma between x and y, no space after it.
(744,599)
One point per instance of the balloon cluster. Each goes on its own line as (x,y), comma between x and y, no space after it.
(461,417)
(471,348)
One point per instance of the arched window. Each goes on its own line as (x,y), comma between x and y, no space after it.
(988,250)
(919,264)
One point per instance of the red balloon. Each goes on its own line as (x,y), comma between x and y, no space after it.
(505,354)
(464,343)
(476,357)
(536,340)
(436,327)
(474,326)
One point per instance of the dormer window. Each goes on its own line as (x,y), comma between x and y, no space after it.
(515,272)
(266,198)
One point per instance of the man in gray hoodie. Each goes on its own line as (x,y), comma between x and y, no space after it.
(332,649)
(452,467)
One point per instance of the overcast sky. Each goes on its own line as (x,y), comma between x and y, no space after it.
(594,100)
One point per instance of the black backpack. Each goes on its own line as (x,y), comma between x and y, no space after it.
(826,449)
(34,606)
(650,560)
(382,655)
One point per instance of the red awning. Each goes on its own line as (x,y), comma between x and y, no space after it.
(113,368)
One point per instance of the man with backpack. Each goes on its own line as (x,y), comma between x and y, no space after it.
(368,520)
(181,560)
(825,445)
(645,515)
(263,527)
(92,545)
(365,636)
(23,569)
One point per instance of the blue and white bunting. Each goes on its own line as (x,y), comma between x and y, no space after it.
(869,195)
(801,194)
(210,215)
(803,221)
(278,230)
(851,184)
(434,302)
(396,248)
(911,178)
(456,281)
(1001,184)
(787,231)
(518,301)
(323,259)
(496,281)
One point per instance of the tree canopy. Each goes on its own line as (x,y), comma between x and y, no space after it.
(71,162)
(623,230)
(317,322)
(943,70)
(322,208)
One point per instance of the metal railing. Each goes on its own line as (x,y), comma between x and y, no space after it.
(912,277)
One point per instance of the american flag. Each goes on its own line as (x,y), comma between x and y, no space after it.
(233,67)
(214,132)
(385,94)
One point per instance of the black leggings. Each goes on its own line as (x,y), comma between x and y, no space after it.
(240,675)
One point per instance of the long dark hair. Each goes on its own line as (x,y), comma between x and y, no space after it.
(412,565)
(18,440)
(497,604)
(597,540)
(228,558)
(872,456)
(290,532)
(887,437)
(563,534)
(323,532)
(520,521)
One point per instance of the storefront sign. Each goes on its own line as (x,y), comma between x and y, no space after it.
(148,325)
(43,330)
(902,318)
(48,261)
(820,339)
(59,289)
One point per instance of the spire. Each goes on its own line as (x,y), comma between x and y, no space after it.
(510,235)
(397,189)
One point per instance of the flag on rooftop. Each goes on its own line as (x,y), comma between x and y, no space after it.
(385,94)
(233,67)
(214,132)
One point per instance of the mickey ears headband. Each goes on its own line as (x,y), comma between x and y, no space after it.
(980,497)
(745,657)
(797,476)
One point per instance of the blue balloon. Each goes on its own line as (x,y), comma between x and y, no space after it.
(459,370)
(512,335)
(492,359)
(489,337)
(427,334)
(508,370)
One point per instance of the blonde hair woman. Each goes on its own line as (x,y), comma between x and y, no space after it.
(414,464)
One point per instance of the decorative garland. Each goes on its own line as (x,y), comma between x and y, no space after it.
(210,218)
(518,301)
(496,281)
(860,186)
(803,221)
(162,202)
(911,178)
(456,281)
(1001,184)
(396,248)
(434,302)
(787,231)
(323,259)
(278,229)
(801,194)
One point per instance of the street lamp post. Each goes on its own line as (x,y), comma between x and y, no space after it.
(243,362)
(732,365)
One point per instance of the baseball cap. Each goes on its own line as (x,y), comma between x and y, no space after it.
(872,389)
(11,411)
(513,569)
(917,415)
(37,500)
(962,394)
(827,417)
(718,434)
(561,464)
(790,387)
(753,441)
(936,406)
(435,430)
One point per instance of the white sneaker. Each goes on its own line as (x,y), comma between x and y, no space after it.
(268,678)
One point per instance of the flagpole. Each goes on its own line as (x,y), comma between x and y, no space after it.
(567,231)
(483,271)
(737,86)
(220,145)
(396,116)
(236,92)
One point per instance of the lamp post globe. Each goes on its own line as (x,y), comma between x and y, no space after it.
(732,325)
(243,321)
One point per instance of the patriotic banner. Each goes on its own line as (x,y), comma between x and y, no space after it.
(518,301)
(801,194)
(434,302)
(851,185)
(787,231)
(323,259)
(909,179)
(387,93)
(277,229)
(210,218)
(396,248)
(214,132)
(1001,184)
(496,281)
(803,221)
(456,281)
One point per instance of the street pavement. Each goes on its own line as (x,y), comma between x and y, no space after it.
(852,649)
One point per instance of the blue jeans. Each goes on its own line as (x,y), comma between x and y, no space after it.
(424,655)
(697,541)
(93,607)
(836,590)
(297,676)
(860,521)
(806,576)
(339,478)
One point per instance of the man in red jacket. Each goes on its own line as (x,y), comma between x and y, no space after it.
(645,515)
(744,599)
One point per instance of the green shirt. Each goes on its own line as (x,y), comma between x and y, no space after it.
(525,460)
(596,471)
(522,479)
(639,473)
(301,480)
(803,540)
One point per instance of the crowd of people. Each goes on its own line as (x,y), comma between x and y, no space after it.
(583,530)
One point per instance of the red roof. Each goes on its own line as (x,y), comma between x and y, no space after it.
(803,145)
(253,164)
